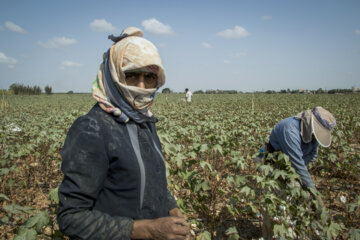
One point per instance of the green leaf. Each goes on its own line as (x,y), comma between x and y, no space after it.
(53,195)
(16,209)
(204,236)
(230,180)
(324,217)
(205,185)
(26,234)
(5,219)
(192,155)
(353,207)
(240,180)
(203,164)
(218,148)
(231,230)
(38,221)
(245,190)
(280,230)
(280,173)
(204,148)
(354,234)
(266,169)
(234,237)
(4,171)
(179,159)
(3,196)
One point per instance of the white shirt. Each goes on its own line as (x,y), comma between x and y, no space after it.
(188,96)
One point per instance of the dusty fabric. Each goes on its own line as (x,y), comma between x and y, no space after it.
(131,53)
(100,194)
(113,96)
(305,125)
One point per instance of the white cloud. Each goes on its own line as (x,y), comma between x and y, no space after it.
(67,64)
(155,27)
(57,42)
(101,25)
(227,61)
(240,54)
(7,60)
(357,31)
(13,27)
(206,45)
(236,33)
(267,17)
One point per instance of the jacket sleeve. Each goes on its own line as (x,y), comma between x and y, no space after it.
(290,144)
(171,201)
(85,166)
(309,158)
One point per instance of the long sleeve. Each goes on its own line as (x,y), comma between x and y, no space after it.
(171,201)
(85,167)
(311,156)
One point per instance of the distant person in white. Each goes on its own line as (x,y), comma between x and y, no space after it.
(188,95)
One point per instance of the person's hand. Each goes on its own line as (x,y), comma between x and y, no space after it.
(319,200)
(174,228)
(316,195)
(177,213)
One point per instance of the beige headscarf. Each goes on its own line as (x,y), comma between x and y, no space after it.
(305,125)
(132,53)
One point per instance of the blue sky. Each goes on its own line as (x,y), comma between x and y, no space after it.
(242,45)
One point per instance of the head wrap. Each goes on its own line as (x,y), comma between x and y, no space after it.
(130,52)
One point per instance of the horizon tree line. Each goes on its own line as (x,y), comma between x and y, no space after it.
(21,89)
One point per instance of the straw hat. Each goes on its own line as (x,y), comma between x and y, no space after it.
(319,122)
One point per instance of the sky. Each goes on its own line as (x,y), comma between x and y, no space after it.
(243,45)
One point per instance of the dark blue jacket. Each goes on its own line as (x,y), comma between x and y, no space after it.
(114,173)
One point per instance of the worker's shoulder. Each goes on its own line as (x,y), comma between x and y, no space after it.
(290,125)
(96,120)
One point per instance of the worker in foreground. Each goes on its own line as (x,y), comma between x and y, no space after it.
(114,184)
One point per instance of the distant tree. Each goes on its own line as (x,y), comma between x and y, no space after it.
(15,88)
(198,92)
(338,90)
(166,90)
(319,91)
(37,90)
(283,91)
(270,91)
(230,91)
(210,91)
(48,89)
(70,92)
(22,89)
